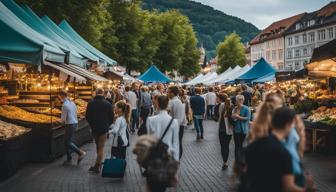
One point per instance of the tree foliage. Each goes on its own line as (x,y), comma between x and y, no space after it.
(134,37)
(230,52)
(211,25)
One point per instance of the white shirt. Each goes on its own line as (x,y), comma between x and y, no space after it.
(131,98)
(210,98)
(119,128)
(69,112)
(157,124)
(177,110)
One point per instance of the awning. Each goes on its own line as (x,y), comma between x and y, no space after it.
(323,68)
(78,78)
(85,73)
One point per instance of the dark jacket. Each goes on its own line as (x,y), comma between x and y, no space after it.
(99,114)
(197,105)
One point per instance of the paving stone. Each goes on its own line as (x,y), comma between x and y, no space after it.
(200,171)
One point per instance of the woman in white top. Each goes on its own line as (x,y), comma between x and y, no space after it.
(225,129)
(119,130)
(157,124)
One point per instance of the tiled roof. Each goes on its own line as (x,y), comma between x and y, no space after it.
(327,10)
(276,29)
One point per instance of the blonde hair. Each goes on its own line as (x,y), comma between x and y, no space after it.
(262,123)
(142,148)
(126,109)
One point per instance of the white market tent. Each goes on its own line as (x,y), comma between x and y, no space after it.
(225,75)
(200,80)
(194,79)
(235,75)
(210,77)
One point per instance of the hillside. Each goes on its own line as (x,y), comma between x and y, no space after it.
(210,25)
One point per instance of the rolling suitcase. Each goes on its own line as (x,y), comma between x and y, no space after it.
(114,168)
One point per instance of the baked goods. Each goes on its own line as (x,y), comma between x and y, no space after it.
(324,115)
(45,110)
(16,113)
(25,101)
(81,106)
(8,130)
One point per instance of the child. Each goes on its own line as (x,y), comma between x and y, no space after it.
(119,130)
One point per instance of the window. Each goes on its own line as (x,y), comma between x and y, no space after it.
(305,51)
(280,54)
(321,35)
(297,26)
(331,33)
(267,44)
(311,22)
(296,40)
(297,53)
(267,55)
(297,65)
(280,66)
(289,54)
(289,66)
(304,38)
(312,37)
(273,55)
(290,41)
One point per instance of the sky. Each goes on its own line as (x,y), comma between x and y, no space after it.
(262,13)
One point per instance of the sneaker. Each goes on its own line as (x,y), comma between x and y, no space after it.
(198,137)
(67,163)
(81,157)
(202,137)
(95,169)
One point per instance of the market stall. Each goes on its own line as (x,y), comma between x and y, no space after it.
(154,75)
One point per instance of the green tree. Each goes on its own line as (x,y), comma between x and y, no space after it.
(191,54)
(230,52)
(169,55)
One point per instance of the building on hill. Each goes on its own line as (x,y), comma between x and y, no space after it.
(269,43)
(248,54)
(311,31)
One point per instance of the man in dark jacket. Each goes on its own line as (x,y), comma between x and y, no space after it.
(99,115)
(197,104)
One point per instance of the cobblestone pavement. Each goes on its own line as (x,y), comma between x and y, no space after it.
(200,171)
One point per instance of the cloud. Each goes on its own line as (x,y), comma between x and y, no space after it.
(263,12)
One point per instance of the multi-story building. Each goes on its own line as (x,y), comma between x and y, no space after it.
(311,31)
(248,54)
(269,43)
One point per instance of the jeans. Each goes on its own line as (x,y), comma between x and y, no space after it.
(210,111)
(239,150)
(181,132)
(198,123)
(224,141)
(135,119)
(100,141)
(144,113)
(69,145)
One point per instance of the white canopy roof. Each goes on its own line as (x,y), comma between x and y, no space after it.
(194,79)
(205,78)
(225,75)
(236,74)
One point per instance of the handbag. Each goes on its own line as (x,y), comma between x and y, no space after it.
(114,167)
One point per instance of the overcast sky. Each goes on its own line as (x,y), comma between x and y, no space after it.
(263,12)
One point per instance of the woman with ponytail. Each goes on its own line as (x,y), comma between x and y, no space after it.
(120,140)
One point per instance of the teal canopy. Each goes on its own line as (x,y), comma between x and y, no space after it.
(21,44)
(265,78)
(259,70)
(65,26)
(85,53)
(19,19)
(154,75)
(74,56)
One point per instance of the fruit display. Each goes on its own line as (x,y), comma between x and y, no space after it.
(16,113)
(45,110)
(81,106)
(8,130)
(25,101)
(324,115)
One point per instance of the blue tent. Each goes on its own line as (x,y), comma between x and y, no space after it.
(265,78)
(259,70)
(154,75)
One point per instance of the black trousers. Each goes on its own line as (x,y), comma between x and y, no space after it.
(181,132)
(239,150)
(224,141)
(119,152)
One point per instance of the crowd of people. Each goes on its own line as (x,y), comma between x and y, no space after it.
(269,142)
